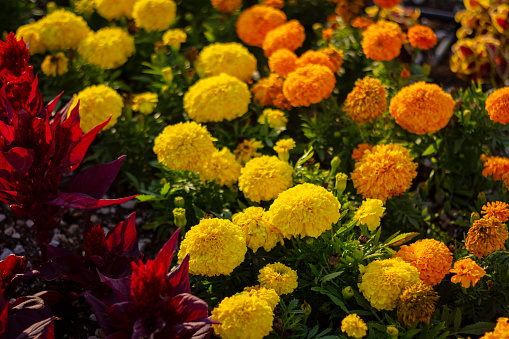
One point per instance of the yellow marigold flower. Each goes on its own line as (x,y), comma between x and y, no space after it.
(417,303)
(367,101)
(384,171)
(309,85)
(55,64)
(279,277)
(422,37)
(431,257)
(495,166)
(354,326)
(383,281)
(382,41)
(486,235)
(31,35)
(226,6)
(283,148)
(242,316)
(84,7)
(145,102)
(358,152)
(335,57)
(231,58)
(255,22)
(274,3)
(247,150)
(266,294)
(497,105)
(467,272)
(362,22)
(184,146)
(216,246)
(263,178)
(274,117)
(370,213)
(61,30)
(217,98)
(111,10)
(109,47)
(269,92)
(422,108)
(304,210)
(289,35)
(497,209)
(174,37)
(282,62)
(97,103)
(222,167)
(501,330)
(386,3)
(154,15)
(259,232)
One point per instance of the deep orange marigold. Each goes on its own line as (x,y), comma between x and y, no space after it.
(387,3)
(467,272)
(255,22)
(422,37)
(269,92)
(362,22)
(382,41)
(274,3)
(315,58)
(335,57)
(367,101)
(497,105)
(358,152)
(497,209)
(495,166)
(486,235)
(289,35)
(501,331)
(226,6)
(282,62)
(309,85)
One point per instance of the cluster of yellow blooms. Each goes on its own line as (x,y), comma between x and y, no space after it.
(257,228)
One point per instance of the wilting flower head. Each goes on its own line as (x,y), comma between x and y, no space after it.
(382,41)
(422,108)
(304,210)
(231,58)
(289,35)
(495,166)
(184,146)
(55,64)
(61,30)
(354,326)
(383,281)
(283,147)
(370,213)
(263,178)
(279,277)
(497,209)
(274,117)
(222,167)
(145,102)
(282,62)
(358,152)
(422,37)
(309,85)
(501,330)
(266,294)
(386,3)
(497,105)
(467,272)
(31,33)
(259,232)
(486,235)
(417,303)
(154,15)
(174,37)
(247,150)
(431,257)
(217,98)
(384,171)
(255,22)
(217,246)
(97,103)
(111,10)
(269,92)
(226,6)
(367,101)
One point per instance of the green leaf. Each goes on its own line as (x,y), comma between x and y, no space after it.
(401,239)
(308,155)
(332,297)
(165,189)
(146,197)
(457,319)
(477,328)
(331,276)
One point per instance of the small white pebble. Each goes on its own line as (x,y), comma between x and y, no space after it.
(16,235)
(19,249)
(9,231)
(6,252)
(93,317)
(73,228)
(29,223)
(2,217)
(128,204)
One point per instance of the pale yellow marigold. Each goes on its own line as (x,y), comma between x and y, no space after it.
(354,326)
(384,171)
(145,102)
(315,58)
(61,30)
(263,178)
(279,277)
(367,101)
(417,303)
(370,213)
(501,330)
(282,62)
(55,64)
(309,85)
(231,58)
(274,117)
(259,232)
(422,108)
(242,316)
(422,37)
(217,98)
(495,166)
(289,35)
(304,210)
(382,41)
(497,209)
(486,235)
(266,294)
(31,34)
(222,167)
(255,22)
(216,246)
(174,37)
(247,150)
(335,57)
(226,6)
(467,272)
(109,47)
(111,9)
(386,3)
(274,3)
(154,15)
(358,152)
(184,146)
(382,281)
(283,148)
(97,103)
(497,105)
(431,257)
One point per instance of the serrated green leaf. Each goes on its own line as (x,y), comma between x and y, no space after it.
(146,197)
(331,276)
(477,328)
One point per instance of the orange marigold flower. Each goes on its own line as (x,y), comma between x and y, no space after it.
(255,22)
(501,331)
(362,22)
(417,303)
(495,166)
(289,35)
(309,85)
(269,92)
(282,62)
(348,9)
(497,105)
(327,33)
(315,58)
(422,108)
(382,41)
(358,153)
(486,236)
(405,73)
(384,171)
(335,57)
(422,37)
(367,101)
(387,3)
(497,209)
(467,272)
(431,257)
(505,177)
(226,6)
(274,3)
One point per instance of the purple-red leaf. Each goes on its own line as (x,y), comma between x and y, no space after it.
(99,308)
(121,287)
(43,329)
(50,107)
(123,238)
(83,201)
(4,307)
(70,267)
(24,314)
(20,159)
(9,267)
(166,253)
(179,277)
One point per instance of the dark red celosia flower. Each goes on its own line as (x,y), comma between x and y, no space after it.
(148,285)
(95,241)
(18,90)
(13,56)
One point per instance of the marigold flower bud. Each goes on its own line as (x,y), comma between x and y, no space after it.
(347,292)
